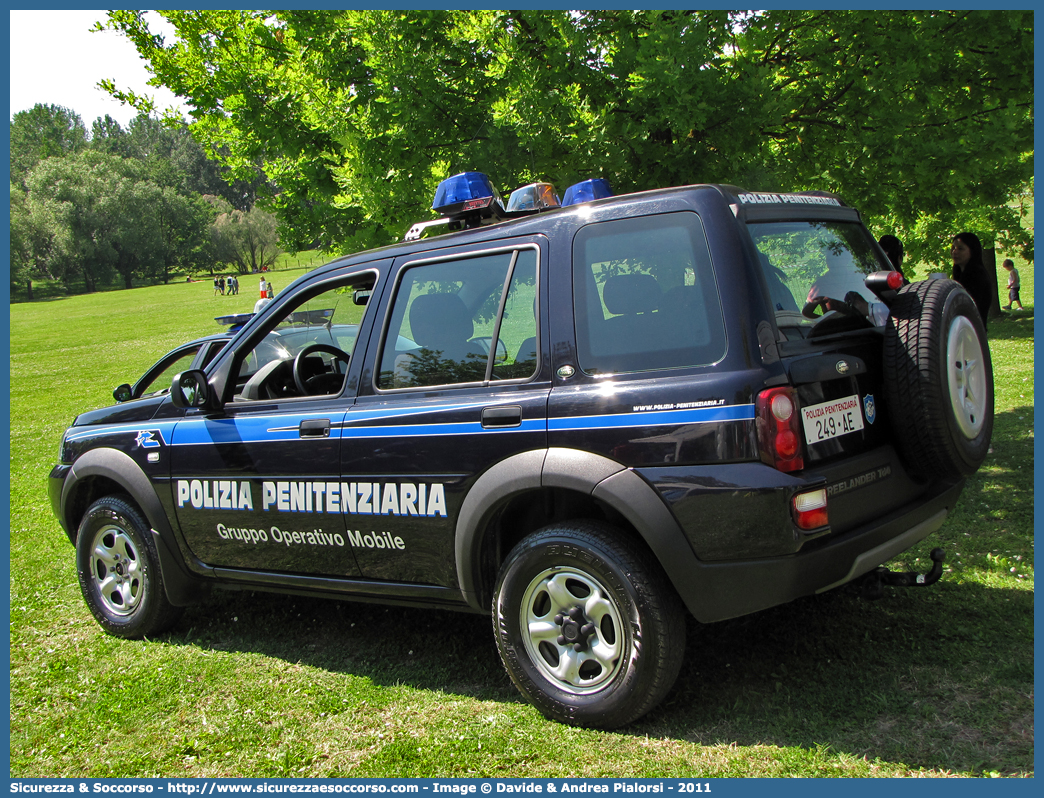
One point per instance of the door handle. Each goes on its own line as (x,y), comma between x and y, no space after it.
(510,416)
(315,428)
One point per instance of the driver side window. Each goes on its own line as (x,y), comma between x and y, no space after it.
(307,347)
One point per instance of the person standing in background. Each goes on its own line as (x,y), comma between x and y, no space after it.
(970,272)
(1013,284)
(893,248)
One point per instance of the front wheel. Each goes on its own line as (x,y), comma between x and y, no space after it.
(119,572)
(588,627)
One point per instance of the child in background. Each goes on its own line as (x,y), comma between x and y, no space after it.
(1013,285)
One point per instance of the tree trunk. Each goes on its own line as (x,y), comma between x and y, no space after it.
(29,290)
(989,260)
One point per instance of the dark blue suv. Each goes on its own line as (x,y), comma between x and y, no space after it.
(584,421)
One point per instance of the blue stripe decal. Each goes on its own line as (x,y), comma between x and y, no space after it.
(657,418)
(428,430)
(251,429)
(361,416)
(261,429)
(162,428)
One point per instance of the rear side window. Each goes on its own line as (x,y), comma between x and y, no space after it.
(645,297)
(463,321)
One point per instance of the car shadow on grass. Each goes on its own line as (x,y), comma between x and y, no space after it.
(906,679)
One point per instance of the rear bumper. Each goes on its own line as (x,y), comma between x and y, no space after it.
(719,590)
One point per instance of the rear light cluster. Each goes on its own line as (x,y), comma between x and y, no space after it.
(779,430)
(810,509)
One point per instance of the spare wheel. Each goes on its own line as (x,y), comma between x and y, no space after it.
(938,380)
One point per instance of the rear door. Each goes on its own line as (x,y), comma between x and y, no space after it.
(459,382)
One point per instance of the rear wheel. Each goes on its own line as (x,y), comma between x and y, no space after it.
(939,379)
(119,572)
(588,627)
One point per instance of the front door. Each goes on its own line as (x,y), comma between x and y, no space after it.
(258,485)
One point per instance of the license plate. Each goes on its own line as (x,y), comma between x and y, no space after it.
(831,419)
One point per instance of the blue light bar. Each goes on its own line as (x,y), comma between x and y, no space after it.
(586,191)
(534,197)
(234,322)
(468,191)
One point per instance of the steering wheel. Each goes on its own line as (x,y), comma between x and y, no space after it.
(842,306)
(304,385)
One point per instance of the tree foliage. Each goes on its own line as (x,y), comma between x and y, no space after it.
(245,240)
(44,131)
(923,119)
(106,217)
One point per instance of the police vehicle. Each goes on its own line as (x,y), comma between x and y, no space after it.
(584,418)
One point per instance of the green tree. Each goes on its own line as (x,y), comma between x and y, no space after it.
(39,239)
(245,240)
(354,116)
(44,131)
(115,220)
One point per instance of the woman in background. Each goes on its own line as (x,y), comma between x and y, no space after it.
(969,271)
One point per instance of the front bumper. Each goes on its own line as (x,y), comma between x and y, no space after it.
(55,483)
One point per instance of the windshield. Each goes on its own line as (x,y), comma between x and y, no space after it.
(814,267)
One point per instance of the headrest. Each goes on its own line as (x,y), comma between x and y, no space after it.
(439,318)
(631,293)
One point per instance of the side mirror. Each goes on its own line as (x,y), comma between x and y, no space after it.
(122,393)
(190,389)
(361,297)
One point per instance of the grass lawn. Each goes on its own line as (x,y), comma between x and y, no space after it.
(933,682)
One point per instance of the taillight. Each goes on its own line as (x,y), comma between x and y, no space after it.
(810,509)
(779,429)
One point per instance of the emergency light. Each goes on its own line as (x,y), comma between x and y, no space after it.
(234,322)
(588,190)
(467,192)
(534,197)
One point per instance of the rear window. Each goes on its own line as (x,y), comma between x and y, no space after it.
(645,297)
(808,263)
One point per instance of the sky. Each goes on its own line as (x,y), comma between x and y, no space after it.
(66,72)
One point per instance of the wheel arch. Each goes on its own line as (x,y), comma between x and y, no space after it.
(103,471)
(590,484)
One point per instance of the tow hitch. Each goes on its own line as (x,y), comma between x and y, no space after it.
(871,586)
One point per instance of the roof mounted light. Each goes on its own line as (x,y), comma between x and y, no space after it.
(466,193)
(466,200)
(588,190)
(534,197)
(234,322)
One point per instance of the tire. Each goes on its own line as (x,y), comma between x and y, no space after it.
(938,380)
(119,571)
(587,625)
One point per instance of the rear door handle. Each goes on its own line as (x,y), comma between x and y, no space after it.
(315,428)
(510,416)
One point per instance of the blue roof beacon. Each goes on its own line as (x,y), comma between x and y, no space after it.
(586,191)
(468,191)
